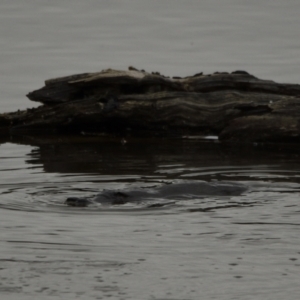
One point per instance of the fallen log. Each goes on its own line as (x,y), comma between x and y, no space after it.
(235,106)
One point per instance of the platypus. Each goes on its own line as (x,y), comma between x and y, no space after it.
(177,190)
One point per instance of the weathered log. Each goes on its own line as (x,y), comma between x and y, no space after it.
(280,124)
(90,86)
(236,106)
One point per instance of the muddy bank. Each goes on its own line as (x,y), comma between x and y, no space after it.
(235,106)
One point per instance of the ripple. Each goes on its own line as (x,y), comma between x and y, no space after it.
(250,237)
(26,186)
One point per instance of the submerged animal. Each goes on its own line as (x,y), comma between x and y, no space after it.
(177,190)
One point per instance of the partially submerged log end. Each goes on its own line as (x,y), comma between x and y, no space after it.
(259,129)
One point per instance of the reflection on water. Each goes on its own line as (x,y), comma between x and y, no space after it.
(225,247)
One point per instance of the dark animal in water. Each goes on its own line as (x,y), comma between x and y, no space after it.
(177,190)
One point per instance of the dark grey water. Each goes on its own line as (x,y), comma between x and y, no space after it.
(214,247)
(44,39)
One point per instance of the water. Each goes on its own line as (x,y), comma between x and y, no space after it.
(229,247)
(216,247)
(44,39)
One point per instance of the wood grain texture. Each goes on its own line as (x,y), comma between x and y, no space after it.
(236,106)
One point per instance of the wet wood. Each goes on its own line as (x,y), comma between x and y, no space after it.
(236,106)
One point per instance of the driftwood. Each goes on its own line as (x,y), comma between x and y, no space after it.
(236,106)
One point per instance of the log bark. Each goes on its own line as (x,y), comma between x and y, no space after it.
(236,106)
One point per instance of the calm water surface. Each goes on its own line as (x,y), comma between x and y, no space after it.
(226,247)
(45,39)
(229,247)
